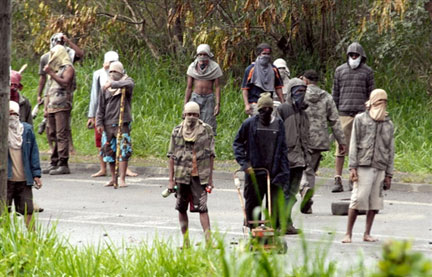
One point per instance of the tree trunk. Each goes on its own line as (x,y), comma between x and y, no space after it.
(5,46)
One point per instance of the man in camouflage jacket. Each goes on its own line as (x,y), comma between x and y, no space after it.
(191,153)
(321,112)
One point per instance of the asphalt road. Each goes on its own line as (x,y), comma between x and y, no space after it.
(87,213)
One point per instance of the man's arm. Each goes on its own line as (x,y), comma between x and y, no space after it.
(248,109)
(34,157)
(95,88)
(127,83)
(280,95)
(100,112)
(217,96)
(335,90)
(64,80)
(171,183)
(42,82)
(334,121)
(188,91)
(278,85)
(78,51)
(353,162)
(239,147)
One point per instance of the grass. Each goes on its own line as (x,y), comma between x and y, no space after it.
(158,100)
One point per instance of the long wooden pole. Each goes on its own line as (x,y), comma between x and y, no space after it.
(5,46)
(119,136)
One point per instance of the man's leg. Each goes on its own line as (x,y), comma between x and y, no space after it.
(253,194)
(113,179)
(205,223)
(295,178)
(347,124)
(62,137)
(339,163)
(369,221)
(52,137)
(102,164)
(352,216)
(122,174)
(184,223)
(308,183)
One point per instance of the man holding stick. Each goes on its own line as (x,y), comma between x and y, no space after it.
(113,119)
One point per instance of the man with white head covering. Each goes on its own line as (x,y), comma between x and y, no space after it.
(371,156)
(191,154)
(285,75)
(58,108)
(23,164)
(107,120)
(261,76)
(352,85)
(203,85)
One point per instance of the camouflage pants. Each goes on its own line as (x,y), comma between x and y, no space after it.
(308,178)
(207,106)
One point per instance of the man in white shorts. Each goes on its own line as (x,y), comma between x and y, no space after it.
(371,156)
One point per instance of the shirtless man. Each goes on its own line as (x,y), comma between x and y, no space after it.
(203,85)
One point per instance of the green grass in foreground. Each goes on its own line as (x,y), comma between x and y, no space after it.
(45,253)
(158,100)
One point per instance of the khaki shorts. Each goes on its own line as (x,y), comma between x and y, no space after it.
(367,192)
(347,124)
(194,195)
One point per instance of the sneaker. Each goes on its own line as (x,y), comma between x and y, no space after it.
(337,185)
(60,170)
(49,168)
(291,230)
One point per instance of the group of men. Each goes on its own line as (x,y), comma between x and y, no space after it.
(286,138)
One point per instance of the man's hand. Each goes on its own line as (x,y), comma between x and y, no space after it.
(216,110)
(249,170)
(387,182)
(353,175)
(90,123)
(107,85)
(47,69)
(171,184)
(37,182)
(342,149)
(248,109)
(100,129)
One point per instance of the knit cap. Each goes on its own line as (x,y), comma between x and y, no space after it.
(265,101)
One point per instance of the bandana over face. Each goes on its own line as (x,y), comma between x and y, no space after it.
(376,105)
(16,128)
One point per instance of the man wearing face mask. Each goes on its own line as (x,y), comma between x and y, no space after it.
(261,76)
(23,164)
(58,108)
(203,85)
(352,85)
(260,143)
(296,125)
(371,158)
(285,75)
(107,120)
(191,154)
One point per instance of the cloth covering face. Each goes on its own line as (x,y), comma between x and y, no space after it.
(263,75)
(59,57)
(377,112)
(15,132)
(204,48)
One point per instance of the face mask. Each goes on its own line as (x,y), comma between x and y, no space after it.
(298,95)
(264,59)
(284,73)
(265,116)
(202,58)
(115,76)
(13,120)
(191,121)
(354,63)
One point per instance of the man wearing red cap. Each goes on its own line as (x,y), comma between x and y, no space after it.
(24,103)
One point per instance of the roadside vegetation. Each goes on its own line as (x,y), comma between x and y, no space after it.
(45,253)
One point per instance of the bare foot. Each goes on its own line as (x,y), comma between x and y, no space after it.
(346,239)
(100,173)
(368,238)
(109,184)
(130,173)
(122,184)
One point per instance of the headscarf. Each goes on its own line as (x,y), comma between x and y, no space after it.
(379,112)
(116,74)
(191,126)
(211,72)
(111,56)
(16,128)
(59,57)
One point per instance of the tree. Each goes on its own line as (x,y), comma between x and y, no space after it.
(5,46)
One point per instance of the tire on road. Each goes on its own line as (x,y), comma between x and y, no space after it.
(341,207)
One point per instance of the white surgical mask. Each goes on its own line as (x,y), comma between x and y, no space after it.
(354,63)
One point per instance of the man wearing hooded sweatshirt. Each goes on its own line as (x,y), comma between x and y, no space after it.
(260,143)
(321,111)
(296,125)
(23,164)
(191,154)
(203,85)
(261,76)
(58,108)
(352,85)
(371,158)
(107,121)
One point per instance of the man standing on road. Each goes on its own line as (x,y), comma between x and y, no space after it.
(321,112)
(296,125)
(23,165)
(352,85)
(203,85)
(191,154)
(15,95)
(58,108)
(371,158)
(107,120)
(260,143)
(261,76)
